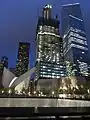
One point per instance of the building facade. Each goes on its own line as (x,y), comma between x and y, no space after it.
(22,58)
(49,52)
(4,61)
(74,39)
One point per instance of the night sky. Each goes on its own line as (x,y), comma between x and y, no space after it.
(18,20)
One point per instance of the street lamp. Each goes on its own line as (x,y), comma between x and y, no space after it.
(53,93)
(39,95)
(9,91)
(88,91)
(34,92)
(2,91)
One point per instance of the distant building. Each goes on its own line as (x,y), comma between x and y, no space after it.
(49,52)
(74,38)
(22,58)
(1,74)
(4,61)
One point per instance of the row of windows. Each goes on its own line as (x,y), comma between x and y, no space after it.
(48,33)
(48,37)
(53,65)
(79,41)
(77,30)
(57,68)
(83,67)
(76,40)
(52,76)
(76,35)
(53,70)
(48,58)
(48,29)
(53,73)
(78,46)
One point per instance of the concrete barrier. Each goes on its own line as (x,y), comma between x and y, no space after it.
(41,102)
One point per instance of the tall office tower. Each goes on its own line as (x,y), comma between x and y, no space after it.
(4,61)
(49,52)
(23,58)
(74,38)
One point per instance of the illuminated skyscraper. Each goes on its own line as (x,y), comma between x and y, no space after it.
(49,52)
(23,58)
(74,38)
(4,61)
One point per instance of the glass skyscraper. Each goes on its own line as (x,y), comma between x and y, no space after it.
(74,38)
(49,52)
(22,58)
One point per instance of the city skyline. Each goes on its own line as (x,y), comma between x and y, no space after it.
(12,32)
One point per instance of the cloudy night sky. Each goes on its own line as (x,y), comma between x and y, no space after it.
(18,20)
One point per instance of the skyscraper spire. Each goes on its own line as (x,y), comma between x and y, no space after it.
(47,11)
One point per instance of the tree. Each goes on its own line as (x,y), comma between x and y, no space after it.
(69,69)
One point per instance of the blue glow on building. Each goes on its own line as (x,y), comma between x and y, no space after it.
(74,39)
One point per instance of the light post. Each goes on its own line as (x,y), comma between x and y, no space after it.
(53,93)
(9,92)
(2,91)
(34,93)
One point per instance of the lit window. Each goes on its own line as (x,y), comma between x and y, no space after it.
(40,27)
(78,46)
(53,73)
(53,76)
(44,66)
(61,66)
(82,52)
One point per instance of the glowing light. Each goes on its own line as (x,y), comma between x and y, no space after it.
(41,93)
(52,92)
(9,91)
(29,93)
(18,92)
(65,88)
(12,81)
(77,87)
(48,33)
(34,92)
(23,92)
(71,4)
(48,6)
(2,91)
(75,17)
(88,91)
(62,95)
